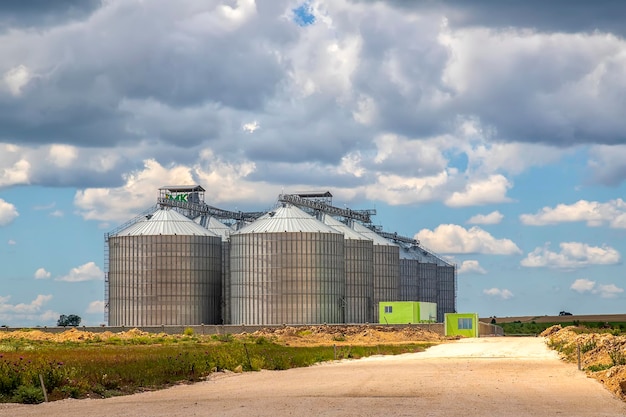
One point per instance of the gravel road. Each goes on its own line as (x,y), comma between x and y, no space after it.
(471,377)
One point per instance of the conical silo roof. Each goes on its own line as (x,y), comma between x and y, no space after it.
(286,218)
(409,253)
(165,222)
(217,227)
(370,234)
(348,233)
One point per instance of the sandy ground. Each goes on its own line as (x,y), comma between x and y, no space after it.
(471,377)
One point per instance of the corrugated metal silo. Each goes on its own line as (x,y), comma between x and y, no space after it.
(409,274)
(164,270)
(287,268)
(222,230)
(359,270)
(439,279)
(386,278)
(427,275)
(446,291)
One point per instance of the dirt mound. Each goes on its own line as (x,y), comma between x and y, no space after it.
(74,335)
(286,335)
(602,355)
(346,335)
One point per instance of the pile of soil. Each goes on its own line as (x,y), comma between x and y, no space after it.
(287,335)
(364,335)
(602,355)
(75,335)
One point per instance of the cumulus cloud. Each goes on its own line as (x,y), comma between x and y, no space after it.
(32,312)
(494,217)
(8,212)
(498,293)
(87,272)
(471,266)
(12,242)
(572,255)
(24,308)
(583,285)
(480,192)
(251,127)
(612,213)
(452,238)
(95,307)
(41,273)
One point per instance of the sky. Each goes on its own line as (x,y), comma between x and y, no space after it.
(492,132)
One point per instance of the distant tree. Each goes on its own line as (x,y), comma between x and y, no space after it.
(493,320)
(71,320)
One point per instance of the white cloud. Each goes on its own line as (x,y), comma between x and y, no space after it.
(12,242)
(494,217)
(24,308)
(62,155)
(471,266)
(86,272)
(480,192)
(251,127)
(41,273)
(572,255)
(451,238)
(95,307)
(17,78)
(31,313)
(584,285)
(497,292)
(593,213)
(18,173)
(609,290)
(398,189)
(138,193)
(56,213)
(8,213)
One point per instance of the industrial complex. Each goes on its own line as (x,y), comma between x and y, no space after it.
(184,262)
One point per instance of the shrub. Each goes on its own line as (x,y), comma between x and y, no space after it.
(617,357)
(587,346)
(599,367)
(27,394)
(188,331)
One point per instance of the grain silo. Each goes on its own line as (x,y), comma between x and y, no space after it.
(409,274)
(386,278)
(446,289)
(437,282)
(359,270)
(287,268)
(164,270)
(223,231)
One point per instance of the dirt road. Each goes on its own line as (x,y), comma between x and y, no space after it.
(472,377)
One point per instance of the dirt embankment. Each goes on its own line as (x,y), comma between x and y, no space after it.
(602,355)
(287,335)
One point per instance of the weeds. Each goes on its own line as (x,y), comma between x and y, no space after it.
(617,357)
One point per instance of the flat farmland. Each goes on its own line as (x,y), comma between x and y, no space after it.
(611,318)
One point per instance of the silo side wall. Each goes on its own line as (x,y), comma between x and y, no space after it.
(427,282)
(409,274)
(287,278)
(359,269)
(445,291)
(170,280)
(225,302)
(386,277)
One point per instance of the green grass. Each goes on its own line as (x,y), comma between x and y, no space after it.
(119,366)
(533,328)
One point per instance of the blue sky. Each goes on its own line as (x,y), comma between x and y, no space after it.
(492,133)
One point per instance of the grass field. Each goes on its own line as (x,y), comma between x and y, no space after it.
(99,368)
(533,325)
